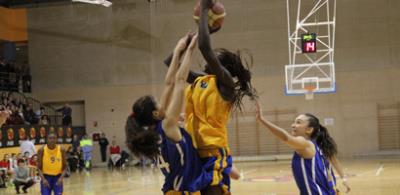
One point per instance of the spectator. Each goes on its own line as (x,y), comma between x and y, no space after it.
(75,143)
(4,163)
(27,147)
(44,120)
(39,113)
(15,118)
(86,145)
(66,114)
(26,83)
(33,161)
(3,170)
(115,152)
(33,166)
(26,157)
(30,115)
(21,177)
(12,162)
(20,112)
(103,141)
(19,156)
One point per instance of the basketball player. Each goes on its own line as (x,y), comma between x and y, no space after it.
(51,166)
(312,144)
(209,102)
(152,130)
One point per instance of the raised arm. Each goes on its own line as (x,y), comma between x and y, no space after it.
(297,143)
(226,84)
(170,123)
(192,74)
(169,78)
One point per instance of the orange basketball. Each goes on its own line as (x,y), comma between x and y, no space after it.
(216,15)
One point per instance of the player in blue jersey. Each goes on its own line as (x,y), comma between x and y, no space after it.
(153,131)
(313,146)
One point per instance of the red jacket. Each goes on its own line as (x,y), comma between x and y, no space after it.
(32,163)
(115,150)
(4,164)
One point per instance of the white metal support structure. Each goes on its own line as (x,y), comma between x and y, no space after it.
(311,16)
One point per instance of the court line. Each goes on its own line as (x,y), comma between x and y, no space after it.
(379,171)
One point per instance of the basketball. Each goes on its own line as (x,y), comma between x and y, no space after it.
(216,15)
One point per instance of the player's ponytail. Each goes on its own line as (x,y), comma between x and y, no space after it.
(233,62)
(321,135)
(141,138)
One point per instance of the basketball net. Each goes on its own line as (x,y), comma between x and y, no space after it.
(310,92)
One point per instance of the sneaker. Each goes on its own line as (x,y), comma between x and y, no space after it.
(24,190)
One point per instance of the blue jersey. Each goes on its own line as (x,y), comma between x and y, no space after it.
(180,164)
(311,174)
(330,175)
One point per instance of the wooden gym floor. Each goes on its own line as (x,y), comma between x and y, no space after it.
(375,177)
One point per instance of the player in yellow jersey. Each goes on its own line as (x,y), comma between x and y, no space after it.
(210,99)
(51,166)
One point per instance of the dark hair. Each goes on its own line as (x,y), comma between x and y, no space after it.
(324,141)
(21,160)
(141,138)
(239,67)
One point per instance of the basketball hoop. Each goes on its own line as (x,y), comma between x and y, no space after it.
(309,92)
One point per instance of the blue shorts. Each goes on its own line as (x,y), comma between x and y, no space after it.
(87,156)
(218,164)
(58,189)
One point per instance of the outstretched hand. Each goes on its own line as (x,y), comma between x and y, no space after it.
(182,43)
(348,189)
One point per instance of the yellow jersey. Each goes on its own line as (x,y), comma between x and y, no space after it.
(207,114)
(52,161)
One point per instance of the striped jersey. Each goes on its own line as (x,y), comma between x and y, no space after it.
(180,164)
(311,174)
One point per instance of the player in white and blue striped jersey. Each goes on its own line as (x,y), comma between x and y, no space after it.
(312,145)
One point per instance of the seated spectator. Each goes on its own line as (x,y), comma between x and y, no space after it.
(33,167)
(12,162)
(74,160)
(26,157)
(4,170)
(19,156)
(33,160)
(30,115)
(4,163)
(44,120)
(39,113)
(21,177)
(15,118)
(115,153)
